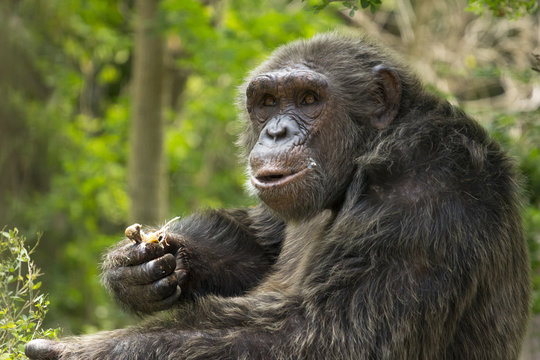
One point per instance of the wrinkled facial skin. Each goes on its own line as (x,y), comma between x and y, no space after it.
(290,166)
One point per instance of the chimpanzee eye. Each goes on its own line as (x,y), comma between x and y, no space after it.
(269,100)
(309,99)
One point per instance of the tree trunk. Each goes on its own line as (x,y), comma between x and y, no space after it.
(147,181)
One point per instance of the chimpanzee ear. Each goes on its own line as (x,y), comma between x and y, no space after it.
(387,97)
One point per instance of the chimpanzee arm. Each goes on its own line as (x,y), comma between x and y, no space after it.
(229,251)
(385,303)
(223,252)
(266,331)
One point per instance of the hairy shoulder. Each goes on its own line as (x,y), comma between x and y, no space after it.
(437,157)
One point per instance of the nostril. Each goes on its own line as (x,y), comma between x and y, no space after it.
(276,132)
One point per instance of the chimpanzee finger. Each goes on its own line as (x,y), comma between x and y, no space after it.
(133,254)
(150,271)
(168,302)
(163,288)
(181,276)
(155,292)
(171,242)
(43,349)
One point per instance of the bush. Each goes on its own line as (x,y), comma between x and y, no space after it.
(22,307)
(519,134)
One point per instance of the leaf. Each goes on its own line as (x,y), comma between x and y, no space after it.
(9,325)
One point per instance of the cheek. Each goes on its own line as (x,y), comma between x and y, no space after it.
(330,143)
(335,148)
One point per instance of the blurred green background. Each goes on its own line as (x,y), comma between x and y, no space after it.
(65,75)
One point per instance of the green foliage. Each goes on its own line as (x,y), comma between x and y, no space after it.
(352,5)
(520,136)
(504,8)
(85,59)
(22,306)
(500,8)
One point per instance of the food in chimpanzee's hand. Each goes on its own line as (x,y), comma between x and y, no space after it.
(136,234)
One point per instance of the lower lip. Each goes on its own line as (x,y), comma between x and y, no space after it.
(279,182)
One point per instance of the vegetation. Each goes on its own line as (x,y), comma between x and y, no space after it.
(522,138)
(22,307)
(509,8)
(500,8)
(66,72)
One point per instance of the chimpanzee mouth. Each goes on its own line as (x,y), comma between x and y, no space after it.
(270,178)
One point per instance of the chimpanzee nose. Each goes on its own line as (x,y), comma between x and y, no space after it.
(276,130)
(281,130)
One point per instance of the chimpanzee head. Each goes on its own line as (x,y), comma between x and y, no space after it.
(312,109)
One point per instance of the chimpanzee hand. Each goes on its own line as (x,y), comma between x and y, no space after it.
(42,349)
(146,276)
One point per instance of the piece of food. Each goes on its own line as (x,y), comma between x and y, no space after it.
(137,235)
(133,233)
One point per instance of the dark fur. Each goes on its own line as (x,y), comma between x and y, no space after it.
(420,255)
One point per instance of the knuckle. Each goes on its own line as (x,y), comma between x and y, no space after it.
(162,266)
(171,242)
(169,260)
(150,250)
(165,286)
(174,297)
(156,270)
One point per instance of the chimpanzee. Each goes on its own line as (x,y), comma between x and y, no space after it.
(389,228)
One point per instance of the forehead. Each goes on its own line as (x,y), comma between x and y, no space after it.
(290,77)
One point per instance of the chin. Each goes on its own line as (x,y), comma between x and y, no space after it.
(293,200)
